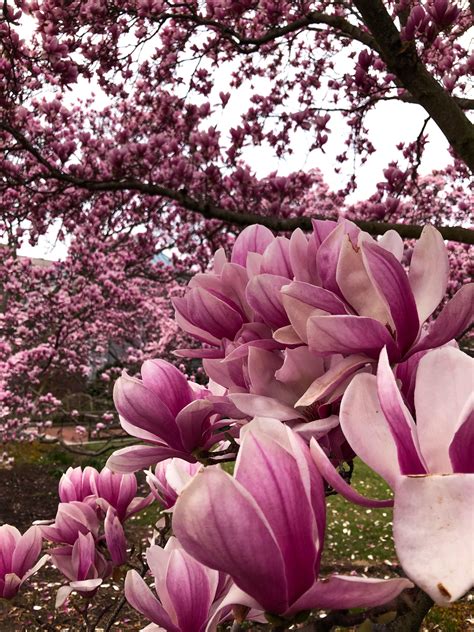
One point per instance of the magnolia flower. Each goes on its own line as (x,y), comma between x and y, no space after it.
(118,491)
(215,308)
(75,484)
(165,410)
(265,528)
(83,565)
(366,301)
(18,554)
(72,519)
(189,593)
(169,479)
(429,465)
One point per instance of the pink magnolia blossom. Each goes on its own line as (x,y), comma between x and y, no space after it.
(366,300)
(428,464)
(169,478)
(165,410)
(75,484)
(83,565)
(265,527)
(18,558)
(189,593)
(118,491)
(72,518)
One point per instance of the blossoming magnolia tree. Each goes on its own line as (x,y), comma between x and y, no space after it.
(332,340)
(132,128)
(317,348)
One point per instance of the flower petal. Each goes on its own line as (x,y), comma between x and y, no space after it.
(399,419)
(317,428)
(139,457)
(461,450)
(340,592)
(263,294)
(366,428)
(190,590)
(392,242)
(348,335)
(455,317)
(168,383)
(254,238)
(429,271)
(330,474)
(261,406)
(276,258)
(391,281)
(444,382)
(140,597)
(26,551)
(213,518)
(357,287)
(192,422)
(432,528)
(333,377)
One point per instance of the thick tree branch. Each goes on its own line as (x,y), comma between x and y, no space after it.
(464,104)
(208,210)
(402,60)
(252,44)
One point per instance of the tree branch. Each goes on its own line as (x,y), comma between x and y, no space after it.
(411,609)
(403,61)
(208,210)
(252,44)
(462,102)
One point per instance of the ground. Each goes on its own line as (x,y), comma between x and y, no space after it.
(357,540)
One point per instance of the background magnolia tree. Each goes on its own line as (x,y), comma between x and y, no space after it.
(133,129)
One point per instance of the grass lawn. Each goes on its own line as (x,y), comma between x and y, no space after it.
(356,533)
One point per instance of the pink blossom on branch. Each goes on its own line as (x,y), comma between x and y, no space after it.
(190,594)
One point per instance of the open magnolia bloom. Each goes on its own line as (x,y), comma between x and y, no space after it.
(429,465)
(171,414)
(365,300)
(265,528)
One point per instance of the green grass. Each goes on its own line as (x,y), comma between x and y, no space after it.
(357,533)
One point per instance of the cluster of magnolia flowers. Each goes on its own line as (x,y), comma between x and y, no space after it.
(317,348)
